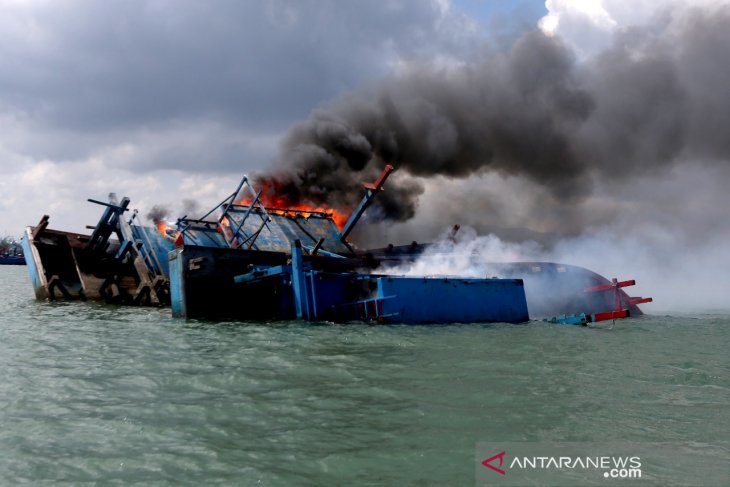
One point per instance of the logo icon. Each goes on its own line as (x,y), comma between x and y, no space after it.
(488,461)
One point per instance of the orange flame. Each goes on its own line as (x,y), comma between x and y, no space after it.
(277,204)
(224,226)
(162,228)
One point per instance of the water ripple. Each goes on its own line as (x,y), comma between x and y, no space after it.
(97,393)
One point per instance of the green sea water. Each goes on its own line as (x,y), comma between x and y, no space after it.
(100,394)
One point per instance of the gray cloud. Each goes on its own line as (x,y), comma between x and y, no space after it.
(100,73)
(162,100)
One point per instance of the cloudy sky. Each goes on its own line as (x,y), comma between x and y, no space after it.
(598,121)
(164,100)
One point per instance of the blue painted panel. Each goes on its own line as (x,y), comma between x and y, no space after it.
(438,300)
(329,294)
(299,284)
(177,285)
(160,246)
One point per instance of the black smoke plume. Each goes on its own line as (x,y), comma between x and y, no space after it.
(158,214)
(657,97)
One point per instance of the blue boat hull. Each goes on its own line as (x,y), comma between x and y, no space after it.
(552,289)
(224,284)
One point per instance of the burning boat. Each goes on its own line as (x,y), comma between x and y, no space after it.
(245,261)
(253,262)
(261,263)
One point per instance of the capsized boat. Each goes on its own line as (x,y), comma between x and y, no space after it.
(129,269)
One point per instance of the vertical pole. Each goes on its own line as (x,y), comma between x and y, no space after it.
(298,283)
(616,294)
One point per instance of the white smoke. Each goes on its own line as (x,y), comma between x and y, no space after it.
(676,277)
(466,254)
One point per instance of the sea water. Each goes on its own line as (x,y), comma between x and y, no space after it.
(107,394)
